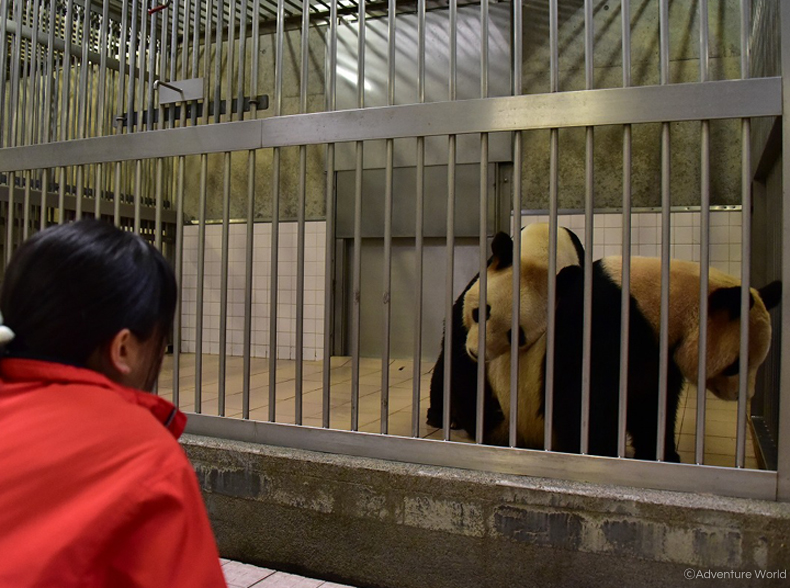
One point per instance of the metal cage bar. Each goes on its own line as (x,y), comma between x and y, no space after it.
(665,240)
(625,300)
(704,257)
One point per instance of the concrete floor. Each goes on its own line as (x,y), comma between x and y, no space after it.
(720,421)
(240,575)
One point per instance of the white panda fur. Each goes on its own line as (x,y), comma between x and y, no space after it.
(530,420)
(723,348)
(534,290)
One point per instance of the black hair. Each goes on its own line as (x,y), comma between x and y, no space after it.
(70,289)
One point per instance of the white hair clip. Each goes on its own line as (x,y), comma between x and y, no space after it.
(6,334)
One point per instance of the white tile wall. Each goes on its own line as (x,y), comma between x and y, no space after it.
(725,235)
(315,238)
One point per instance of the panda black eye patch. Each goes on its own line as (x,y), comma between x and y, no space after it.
(522,338)
(476,313)
(733,369)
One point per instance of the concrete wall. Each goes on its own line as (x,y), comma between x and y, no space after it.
(724,23)
(375,523)
(724,27)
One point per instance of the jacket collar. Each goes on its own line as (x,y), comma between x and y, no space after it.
(14,370)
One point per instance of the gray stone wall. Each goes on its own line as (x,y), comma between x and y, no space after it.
(369,522)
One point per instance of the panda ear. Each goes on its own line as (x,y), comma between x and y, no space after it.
(771,294)
(727,300)
(502,248)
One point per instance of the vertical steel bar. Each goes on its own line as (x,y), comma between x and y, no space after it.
(80,191)
(185,43)
(49,105)
(195,58)
(174,58)
(117,189)
(665,240)
(138,191)
(131,50)
(207,56)
(218,62)
(625,290)
(418,229)
(200,283)
(148,107)
(158,187)
(9,234)
(483,243)
(26,207)
(247,352)
(278,97)
(357,263)
(388,186)
(179,269)
(44,192)
(142,67)
(516,90)
(21,115)
(243,58)
(223,293)
(589,197)
(163,55)
(783,445)
(247,366)
(123,50)
(331,86)
(553,204)
(34,83)
(231,52)
(62,196)
(300,212)
(84,67)
(104,47)
(746,242)
(704,258)
(3,58)
(450,255)
(14,109)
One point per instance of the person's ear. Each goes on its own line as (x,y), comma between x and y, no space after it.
(123,352)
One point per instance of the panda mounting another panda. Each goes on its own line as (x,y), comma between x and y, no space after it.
(534,293)
(644,366)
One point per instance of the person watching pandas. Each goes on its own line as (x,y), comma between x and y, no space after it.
(95,490)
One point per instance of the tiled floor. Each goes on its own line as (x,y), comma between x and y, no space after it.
(240,575)
(720,422)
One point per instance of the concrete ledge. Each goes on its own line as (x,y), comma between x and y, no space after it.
(375,523)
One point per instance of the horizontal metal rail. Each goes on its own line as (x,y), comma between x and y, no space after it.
(633,105)
(581,468)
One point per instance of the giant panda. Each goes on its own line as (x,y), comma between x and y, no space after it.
(643,355)
(463,385)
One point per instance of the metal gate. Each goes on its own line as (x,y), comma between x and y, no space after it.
(223,129)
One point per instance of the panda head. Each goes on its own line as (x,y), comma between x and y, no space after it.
(499,290)
(723,354)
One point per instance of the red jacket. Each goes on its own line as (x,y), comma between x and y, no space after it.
(94,490)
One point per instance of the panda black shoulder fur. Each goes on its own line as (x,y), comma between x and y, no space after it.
(463,382)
